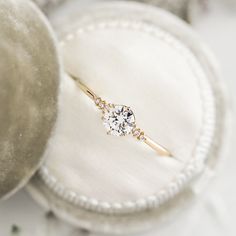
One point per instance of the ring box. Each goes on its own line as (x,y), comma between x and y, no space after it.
(141,56)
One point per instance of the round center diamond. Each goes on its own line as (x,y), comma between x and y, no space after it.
(119,120)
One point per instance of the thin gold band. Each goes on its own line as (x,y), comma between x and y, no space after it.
(157,147)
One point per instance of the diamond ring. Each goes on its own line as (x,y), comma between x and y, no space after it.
(119,120)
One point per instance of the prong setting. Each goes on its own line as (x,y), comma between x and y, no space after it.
(119,120)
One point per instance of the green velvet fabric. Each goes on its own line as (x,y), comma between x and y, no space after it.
(29,78)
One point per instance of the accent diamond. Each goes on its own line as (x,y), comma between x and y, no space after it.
(119,120)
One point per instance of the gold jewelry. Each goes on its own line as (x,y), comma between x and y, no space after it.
(119,120)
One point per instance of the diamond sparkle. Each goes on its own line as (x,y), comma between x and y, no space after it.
(119,120)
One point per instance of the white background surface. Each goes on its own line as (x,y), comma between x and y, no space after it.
(214,213)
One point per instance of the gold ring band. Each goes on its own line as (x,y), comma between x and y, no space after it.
(121,118)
